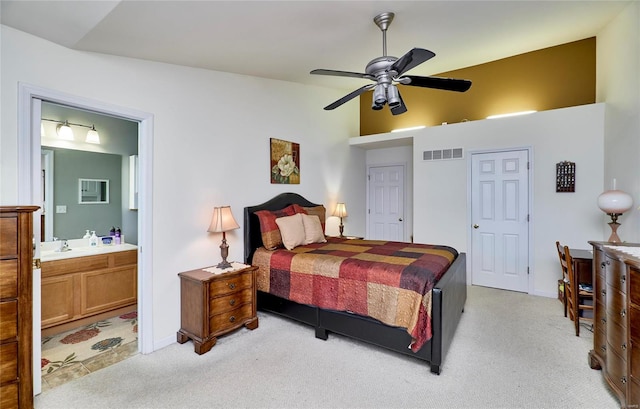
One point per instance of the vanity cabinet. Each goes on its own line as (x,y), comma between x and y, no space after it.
(16,315)
(616,332)
(81,287)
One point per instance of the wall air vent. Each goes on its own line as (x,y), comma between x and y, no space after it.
(452,153)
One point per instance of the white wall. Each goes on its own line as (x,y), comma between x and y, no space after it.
(618,84)
(210,146)
(575,134)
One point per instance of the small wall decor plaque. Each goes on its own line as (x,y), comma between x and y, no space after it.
(565,176)
(285,162)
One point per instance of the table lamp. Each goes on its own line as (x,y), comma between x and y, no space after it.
(341,211)
(614,203)
(221,222)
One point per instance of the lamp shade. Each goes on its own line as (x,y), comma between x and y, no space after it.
(341,210)
(615,202)
(64,131)
(93,136)
(222,220)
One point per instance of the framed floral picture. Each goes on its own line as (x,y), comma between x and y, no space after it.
(285,162)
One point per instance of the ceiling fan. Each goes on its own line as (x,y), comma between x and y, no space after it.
(387,71)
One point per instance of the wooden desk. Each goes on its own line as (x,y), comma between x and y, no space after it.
(583,265)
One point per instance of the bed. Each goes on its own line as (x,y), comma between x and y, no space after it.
(445,300)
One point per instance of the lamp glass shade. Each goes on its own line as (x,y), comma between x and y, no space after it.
(615,202)
(341,210)
(64,131)
(222,220)
(93,136)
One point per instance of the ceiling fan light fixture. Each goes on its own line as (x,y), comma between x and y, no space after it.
(379,95)
(393,96)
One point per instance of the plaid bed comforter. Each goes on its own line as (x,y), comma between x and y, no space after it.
(388,281)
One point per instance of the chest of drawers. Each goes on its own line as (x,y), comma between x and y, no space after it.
(616,335)
(215,304)
(16,328)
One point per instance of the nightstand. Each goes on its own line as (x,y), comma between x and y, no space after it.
(349,237)
(213,304)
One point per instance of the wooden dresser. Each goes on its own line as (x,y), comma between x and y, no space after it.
(616,333)
(214,304)
(16,318)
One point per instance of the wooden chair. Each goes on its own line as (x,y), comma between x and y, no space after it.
(574,295)
(565,277)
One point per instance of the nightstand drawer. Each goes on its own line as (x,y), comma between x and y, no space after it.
(230,319)
(231,301)
(231,284)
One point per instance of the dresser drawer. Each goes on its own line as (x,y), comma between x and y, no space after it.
(9,234)
(634,286)
(9,320)
(230,319)
(616,274)
(231,301)
(616,372)
(634,393)
(617,341)
(616,306)
(600,341)
(9,396)
(230,284)
(8,278)
(9,362)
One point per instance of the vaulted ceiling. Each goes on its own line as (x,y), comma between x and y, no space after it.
(285,40)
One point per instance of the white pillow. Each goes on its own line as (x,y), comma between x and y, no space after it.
(312,229)
(291,230)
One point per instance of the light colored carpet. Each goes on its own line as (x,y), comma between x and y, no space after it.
(511,350)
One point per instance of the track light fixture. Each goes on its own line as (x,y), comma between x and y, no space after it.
(64,131)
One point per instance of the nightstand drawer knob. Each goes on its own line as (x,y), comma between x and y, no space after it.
(232,286)
(232,319)
(232,302)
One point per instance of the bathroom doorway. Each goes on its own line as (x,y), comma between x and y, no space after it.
(88,316)
(30,100)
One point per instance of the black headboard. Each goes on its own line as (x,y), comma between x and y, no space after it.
(252,235)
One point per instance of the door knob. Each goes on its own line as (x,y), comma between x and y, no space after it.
(475,226)
(400,219)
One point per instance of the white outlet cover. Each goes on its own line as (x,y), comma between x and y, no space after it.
(61,209)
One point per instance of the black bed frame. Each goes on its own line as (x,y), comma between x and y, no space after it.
(448,299)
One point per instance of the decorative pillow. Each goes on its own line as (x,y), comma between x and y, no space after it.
(292,230)
(271,238)
(319,211)
(312,229)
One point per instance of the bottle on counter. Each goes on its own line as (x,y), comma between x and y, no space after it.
(112,232)
(87,235)
(118,237)
(93,240)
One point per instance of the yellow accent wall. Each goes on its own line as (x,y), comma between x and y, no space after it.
(551,78)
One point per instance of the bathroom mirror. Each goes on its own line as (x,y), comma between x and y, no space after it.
(93,191)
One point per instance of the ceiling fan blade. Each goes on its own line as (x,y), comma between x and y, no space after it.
(342,74)
(401,108)
(448,84)
(349,97)
(410,60)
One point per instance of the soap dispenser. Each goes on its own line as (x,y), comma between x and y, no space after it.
(87,235)
(93,240)
(118,237)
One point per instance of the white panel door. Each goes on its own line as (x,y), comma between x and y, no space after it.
(500,220)
(386,203)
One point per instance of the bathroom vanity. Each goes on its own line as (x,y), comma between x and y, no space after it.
(85,284)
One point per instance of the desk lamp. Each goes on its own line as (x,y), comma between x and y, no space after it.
(221,222)
(614,203)
(341,211)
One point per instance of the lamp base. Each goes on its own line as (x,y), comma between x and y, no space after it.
(341,228)
(224,264)
(614,235)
